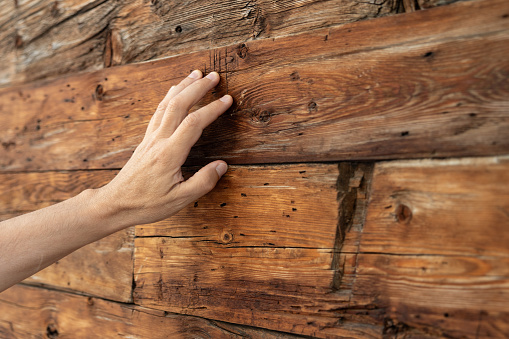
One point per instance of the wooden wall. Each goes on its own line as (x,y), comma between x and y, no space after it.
(368,195)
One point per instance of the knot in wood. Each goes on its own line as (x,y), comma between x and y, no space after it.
(403,214)
(260,117)
(226,237)
(242,51)
(312,107)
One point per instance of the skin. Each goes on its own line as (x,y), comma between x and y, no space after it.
(149,188)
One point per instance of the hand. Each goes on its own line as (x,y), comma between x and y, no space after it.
(151,187)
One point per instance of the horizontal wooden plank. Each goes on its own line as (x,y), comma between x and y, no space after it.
(252,204)
(433,251)
(28,312)
(447,207)
(103,268)
(449,296)
(437,94)
(263,249)
(45,39)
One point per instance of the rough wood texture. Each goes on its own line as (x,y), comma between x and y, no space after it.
(367,90)
(434,251)
(28,312)
(103,268)
(45,38)
(452,207)
(255,252)
(415,5)
(411,271)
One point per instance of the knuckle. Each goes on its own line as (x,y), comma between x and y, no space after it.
(173,106)
(192,120)
(161,107)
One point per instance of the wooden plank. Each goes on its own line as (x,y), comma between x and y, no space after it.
(103,268)
(263,249)
(448,296)
(54,38)
(437,94)
(448,207)
(51,38)
(28,312)
(433,251)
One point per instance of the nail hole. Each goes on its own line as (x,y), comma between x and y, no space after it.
(51,331)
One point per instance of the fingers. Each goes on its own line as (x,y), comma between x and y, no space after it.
(179,106)
(191,128)
(203,181)
(155,121)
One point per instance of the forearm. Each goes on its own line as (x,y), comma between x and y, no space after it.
(31,242)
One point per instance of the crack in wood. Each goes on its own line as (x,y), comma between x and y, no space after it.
(353,186)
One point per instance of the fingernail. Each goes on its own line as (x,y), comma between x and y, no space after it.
(225,98)
(212,76)
(221,168)
(195,74)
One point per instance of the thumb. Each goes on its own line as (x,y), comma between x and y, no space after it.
(204,180)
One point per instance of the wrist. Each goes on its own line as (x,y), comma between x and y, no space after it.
(103,210)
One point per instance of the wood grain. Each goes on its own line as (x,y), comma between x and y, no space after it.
(433,251)
(367,90)
(446,296)
(51,38)
(43,39)
(263,249)
(103,268)
(449,207)
(28,312)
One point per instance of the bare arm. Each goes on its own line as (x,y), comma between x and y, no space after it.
(149,188)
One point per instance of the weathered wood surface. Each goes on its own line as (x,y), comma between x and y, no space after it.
(415,5)
(103,268)
(445,296)
(434,251)
(43,39)
(262,249)
(408,86)
(29,312)
(424,275)
(452,207)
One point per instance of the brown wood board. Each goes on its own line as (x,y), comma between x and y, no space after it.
(43,39)
(433,251)
(249,251)
(29,312)
(409,86)
(443,207)
(445,296)
(289,286)
(103,268)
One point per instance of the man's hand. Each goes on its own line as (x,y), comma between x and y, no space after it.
(151,187)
